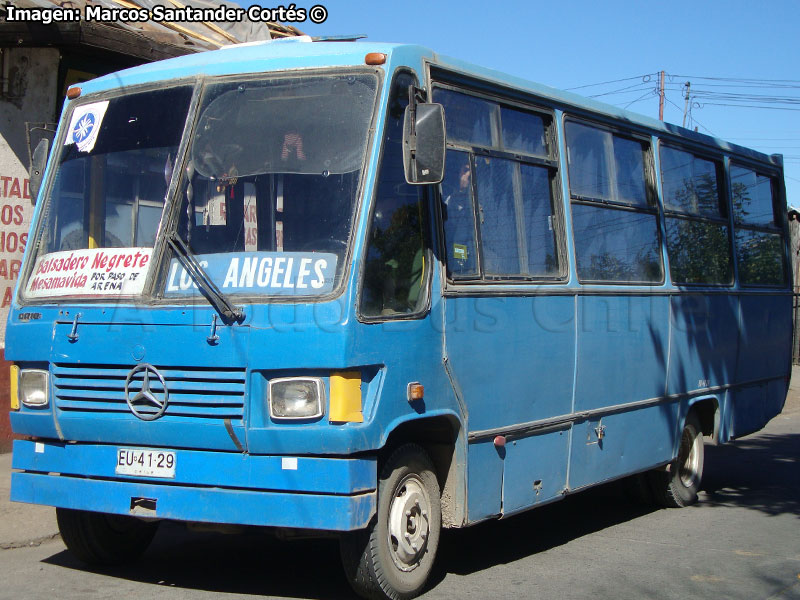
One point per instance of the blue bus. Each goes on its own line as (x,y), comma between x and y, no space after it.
(362,289)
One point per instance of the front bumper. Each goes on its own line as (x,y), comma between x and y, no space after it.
(334,494)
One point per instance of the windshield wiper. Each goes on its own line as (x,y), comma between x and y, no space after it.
(229,312)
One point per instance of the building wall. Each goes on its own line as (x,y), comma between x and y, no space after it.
(28,95)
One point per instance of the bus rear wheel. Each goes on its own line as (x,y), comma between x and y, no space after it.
(393,557)
(679,485)
(103,539)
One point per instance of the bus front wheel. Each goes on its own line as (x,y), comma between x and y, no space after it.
(679,485)
(393,557)
(101,539)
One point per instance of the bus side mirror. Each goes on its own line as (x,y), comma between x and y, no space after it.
(423,143)
(38,164)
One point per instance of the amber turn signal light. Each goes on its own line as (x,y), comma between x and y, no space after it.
(375,58)
(415,391)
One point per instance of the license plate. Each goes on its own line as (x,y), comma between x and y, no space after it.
(146,463)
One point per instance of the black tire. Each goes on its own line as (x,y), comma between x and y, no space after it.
(378,565)
(102,539)
(678,485)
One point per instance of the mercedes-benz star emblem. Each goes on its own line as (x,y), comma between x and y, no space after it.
(146,403)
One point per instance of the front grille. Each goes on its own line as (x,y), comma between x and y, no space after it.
(193,392)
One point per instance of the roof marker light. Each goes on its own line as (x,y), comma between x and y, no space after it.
(74,92)
(375,58)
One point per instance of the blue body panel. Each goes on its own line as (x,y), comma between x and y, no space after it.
(704,342)
(578,383)
(532,475)
(512,357)
(321,493)
(616,333)
(633,441)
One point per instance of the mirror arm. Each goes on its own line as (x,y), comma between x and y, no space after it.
(415,96)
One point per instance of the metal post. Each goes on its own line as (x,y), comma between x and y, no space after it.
(686,106)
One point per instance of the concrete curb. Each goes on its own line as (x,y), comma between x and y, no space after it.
(22,525)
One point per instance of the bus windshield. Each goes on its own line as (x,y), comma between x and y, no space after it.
(108,192)
(269,189)
(266,194)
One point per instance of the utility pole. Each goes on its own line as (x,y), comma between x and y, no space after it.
(661,97)
(688,85)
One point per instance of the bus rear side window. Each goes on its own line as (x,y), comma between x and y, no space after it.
(690,183)
(760,248)
(698,233)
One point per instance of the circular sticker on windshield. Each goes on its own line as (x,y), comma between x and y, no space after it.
(83,128)
(85,125)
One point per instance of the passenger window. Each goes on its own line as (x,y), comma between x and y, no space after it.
(605,166)
(498,212)
(760,257)
(698,236)
(752,197)
(469,119)
(588,171)
(613,245)
(395,266)
(760,250)
(523,132)
(690,183)
(614,222)
(698,251)
(458,216)
(629,171)
(539,230)
(497,215)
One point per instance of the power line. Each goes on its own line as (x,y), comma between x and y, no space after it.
(649,93)
(642,77)
(768,139)
(740,79)
(631,88)
(763,107)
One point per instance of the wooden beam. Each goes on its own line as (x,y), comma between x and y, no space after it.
(148,46)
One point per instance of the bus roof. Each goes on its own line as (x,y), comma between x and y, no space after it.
(303,52)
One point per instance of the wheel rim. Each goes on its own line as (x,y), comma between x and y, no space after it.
(409,523)
(689,459)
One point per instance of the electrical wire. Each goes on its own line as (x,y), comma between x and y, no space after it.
(580,87)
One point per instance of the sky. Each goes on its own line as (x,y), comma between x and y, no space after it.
(734,47)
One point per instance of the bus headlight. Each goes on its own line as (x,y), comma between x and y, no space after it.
(33,387)
(296,398)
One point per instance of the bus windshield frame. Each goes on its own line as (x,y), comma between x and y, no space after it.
(314,273)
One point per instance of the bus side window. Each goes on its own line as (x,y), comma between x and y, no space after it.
(760,249)
(614,220)
(698,236)
(459,216)
(498,191)
(395,266)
